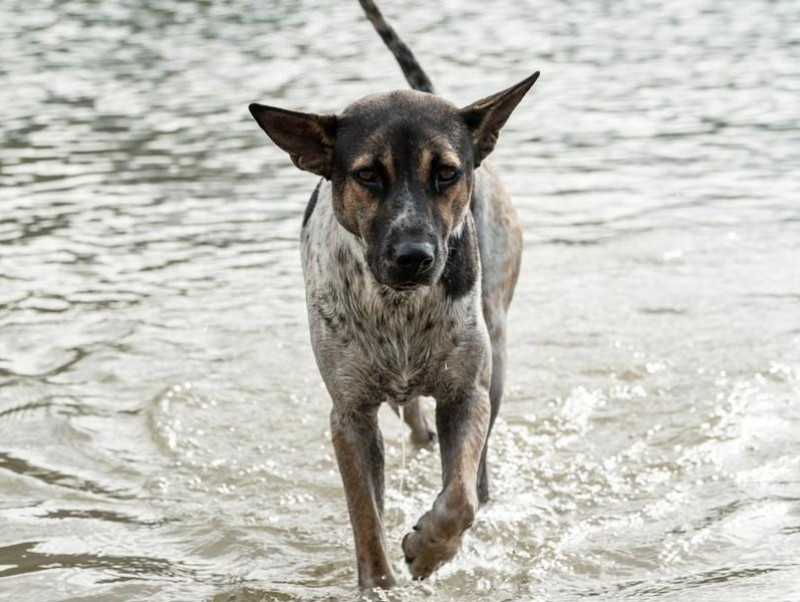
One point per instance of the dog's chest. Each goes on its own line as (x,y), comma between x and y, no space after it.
(396,344)
(401,340)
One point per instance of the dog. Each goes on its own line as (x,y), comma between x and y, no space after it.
(411,251)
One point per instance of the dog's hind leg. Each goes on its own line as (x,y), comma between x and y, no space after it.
(358,445)
(496,324)
(419,420)
(421,423)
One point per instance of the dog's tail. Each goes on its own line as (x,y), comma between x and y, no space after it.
(411,69)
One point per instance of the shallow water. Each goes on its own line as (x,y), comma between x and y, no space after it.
(163,428)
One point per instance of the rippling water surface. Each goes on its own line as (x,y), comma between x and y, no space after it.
(163,428)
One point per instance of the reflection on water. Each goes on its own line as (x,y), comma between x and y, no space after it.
(163,430)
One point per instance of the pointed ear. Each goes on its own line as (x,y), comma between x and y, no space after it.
(308,138)
(488,115)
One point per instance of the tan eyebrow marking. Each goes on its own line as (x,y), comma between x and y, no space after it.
(447,157)
(447,153)
(450,158)
(365,161)
(368,161)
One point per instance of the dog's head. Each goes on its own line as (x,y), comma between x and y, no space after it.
(401,167)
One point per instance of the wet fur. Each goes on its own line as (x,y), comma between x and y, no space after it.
(379,344)
(375,339)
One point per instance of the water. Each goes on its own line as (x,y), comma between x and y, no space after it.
(163,429)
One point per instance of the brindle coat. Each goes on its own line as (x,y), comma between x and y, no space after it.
(410,257)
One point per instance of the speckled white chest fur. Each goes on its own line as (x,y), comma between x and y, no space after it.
(396,344)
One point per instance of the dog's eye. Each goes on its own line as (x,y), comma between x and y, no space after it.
(444,177)
(368,177)
(446,174)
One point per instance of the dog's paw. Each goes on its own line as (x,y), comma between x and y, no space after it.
(425,553)
(423,438)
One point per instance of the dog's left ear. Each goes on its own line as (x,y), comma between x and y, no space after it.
(488,115)
(308,138)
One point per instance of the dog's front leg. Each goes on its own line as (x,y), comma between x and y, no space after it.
(463,423)
(358,445)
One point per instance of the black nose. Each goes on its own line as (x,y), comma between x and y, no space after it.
(414,257)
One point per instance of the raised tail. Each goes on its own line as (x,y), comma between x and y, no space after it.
(411,69)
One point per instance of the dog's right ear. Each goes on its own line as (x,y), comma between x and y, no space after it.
(308,138)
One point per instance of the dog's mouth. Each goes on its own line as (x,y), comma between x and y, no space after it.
(403,281)
(405,286)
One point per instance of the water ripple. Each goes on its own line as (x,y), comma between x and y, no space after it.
(164,430)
